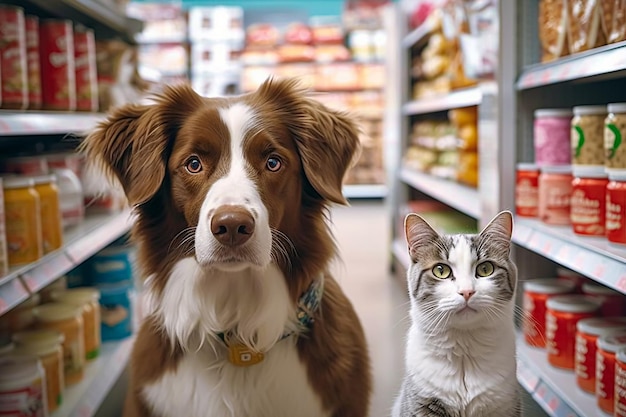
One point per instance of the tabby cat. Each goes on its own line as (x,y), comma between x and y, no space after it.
(460,353)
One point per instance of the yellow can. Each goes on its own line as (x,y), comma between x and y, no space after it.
(87,299)
(48,346)
(51,224)
(68,320)
(22,209)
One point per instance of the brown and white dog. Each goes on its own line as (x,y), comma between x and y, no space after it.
(231,197)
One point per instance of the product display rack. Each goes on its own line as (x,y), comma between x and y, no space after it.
(31,127)
(101,16)
(86,397)
(506,137)
(591,77)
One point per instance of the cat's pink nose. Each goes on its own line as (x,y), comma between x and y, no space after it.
(467,294)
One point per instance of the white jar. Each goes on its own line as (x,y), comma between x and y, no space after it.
(22,387)
(70,197)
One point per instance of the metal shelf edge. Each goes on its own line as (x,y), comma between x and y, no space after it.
(554,389)
(593,257)
(574,67)
(365,191)
(459,98)
(47,123)
(460,197)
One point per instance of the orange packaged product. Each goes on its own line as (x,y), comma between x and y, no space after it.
(613,19)
(68,320)
(88,300)
(536,294)
(605,370)
(48,347)
(51,224)
(553,18)
(584,25)
(527,190)
(587,333)
(22,209)
(562,314)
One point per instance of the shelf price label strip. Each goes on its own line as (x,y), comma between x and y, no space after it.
(551,402)
(11,294)
(44,274)
(82,249)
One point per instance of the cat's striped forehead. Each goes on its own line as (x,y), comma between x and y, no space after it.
(462,249)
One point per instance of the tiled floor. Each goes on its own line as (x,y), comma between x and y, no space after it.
(362,231)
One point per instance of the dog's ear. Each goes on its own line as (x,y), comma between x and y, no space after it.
(132,144)
(327,140)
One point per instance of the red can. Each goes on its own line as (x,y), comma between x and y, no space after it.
(527,190)
(620,383)
(613,302)
(562,314)
(536,293)
(588,204)
(615,206)
(555,192)
(605,369)
(13,68)
(34,65)
(587,333)
(86,73)
(56,46)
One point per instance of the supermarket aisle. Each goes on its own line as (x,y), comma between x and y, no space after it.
(362,233)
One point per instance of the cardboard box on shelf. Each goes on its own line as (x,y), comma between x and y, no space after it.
(211,56)
(216,23)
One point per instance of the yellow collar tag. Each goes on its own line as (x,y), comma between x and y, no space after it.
(241,355)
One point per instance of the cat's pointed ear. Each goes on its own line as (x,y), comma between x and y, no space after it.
(418,233)
(499,230)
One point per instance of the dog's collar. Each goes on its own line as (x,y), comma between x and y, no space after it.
(308,304)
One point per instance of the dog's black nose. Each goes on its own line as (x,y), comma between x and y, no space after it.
(232,225)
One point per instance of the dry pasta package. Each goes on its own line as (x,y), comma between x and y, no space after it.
(583,22)
(553,29)
(613,20)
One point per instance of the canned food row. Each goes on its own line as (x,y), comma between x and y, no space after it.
(585,197)
(589,136)
(55,335)
(582,327)
(46,63)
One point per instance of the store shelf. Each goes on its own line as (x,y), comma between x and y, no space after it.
(401,253)
(455,195)
(594,63)
(365,191)
(46,123)
(81,242)
(84,399)
(455,99)
(12,292)
(97,14)
(419,33)
(593,257)
(553,389)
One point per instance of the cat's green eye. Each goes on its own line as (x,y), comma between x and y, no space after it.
(442,271)
(484,269)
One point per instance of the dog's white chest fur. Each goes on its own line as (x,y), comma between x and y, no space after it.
(194,307)
(276,387)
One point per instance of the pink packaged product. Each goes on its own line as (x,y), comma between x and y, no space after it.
(552,136)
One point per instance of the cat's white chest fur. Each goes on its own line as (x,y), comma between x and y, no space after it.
(467,371)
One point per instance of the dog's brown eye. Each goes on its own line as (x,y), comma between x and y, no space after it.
(273,164)
(193,165)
